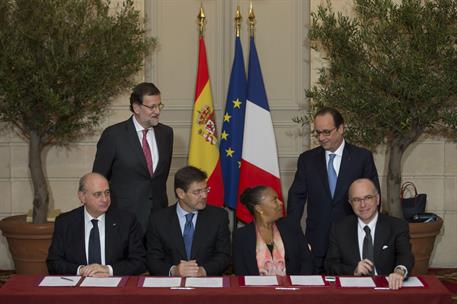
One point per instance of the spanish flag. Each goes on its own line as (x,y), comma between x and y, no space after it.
(204,151)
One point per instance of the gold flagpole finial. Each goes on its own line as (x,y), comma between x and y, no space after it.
(201,20)
(238,21)
(251,20)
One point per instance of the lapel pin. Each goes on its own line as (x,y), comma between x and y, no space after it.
(385,247)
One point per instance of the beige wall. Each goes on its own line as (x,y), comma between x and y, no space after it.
(288,68)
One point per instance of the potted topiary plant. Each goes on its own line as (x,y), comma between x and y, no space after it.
(61,63)
(391,70)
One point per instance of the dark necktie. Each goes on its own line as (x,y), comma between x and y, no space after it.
(367,250)
(94,244)
(147,151)
(188,234)
(331,174)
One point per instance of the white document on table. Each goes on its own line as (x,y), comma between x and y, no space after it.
(260,281)
(357,282)
(162,282)
(60,281)
(204,282)
(411,282)
(307,280)
(101,282)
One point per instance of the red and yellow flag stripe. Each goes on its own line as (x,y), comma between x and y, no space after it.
(204,147)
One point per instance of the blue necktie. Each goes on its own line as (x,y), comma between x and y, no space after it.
(188,234)
(331,174)
(94,244)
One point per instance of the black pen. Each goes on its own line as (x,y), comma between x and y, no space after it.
(67,279)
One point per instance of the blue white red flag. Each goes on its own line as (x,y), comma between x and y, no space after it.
(259,160)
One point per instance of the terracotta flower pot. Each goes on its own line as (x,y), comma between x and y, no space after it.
(422,241)
(28,243)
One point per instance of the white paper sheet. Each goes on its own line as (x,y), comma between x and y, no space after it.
(204,282)
(357,282)
(411,282)
(60,281)
(260,281)
(307,280)
(162,282)
(101,282)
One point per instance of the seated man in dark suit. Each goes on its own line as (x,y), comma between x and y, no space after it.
(189,238)
(96,239)
(369,243)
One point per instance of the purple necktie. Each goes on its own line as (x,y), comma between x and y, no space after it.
(147,151)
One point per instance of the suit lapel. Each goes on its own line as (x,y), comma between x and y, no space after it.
(80,234)
(161,144)
(110,236)
(201,226)
(343,174)
(321,164)
(381,237)
(353,239)
(250,249)
(176,233)
(134,142)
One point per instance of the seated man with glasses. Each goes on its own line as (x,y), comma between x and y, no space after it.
(190,238)
(369,243)
(96,239)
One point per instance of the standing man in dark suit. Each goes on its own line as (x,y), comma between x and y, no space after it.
(135,155)
(95,239)
(369,243)
(190,238)
(326,191)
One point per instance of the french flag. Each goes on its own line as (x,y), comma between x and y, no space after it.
(259,159)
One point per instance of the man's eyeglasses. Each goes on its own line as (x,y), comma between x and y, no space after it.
(326,133)
(200,192)
(155,106)
(366,199)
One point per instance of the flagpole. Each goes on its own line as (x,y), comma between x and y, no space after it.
(237,19)
(201,20)
(251,20)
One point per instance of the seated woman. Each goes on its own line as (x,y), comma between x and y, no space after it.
(269,245)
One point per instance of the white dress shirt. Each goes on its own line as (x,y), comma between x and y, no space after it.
(101,229)
(337,159)
(151,138)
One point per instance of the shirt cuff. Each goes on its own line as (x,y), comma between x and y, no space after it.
(110,270)
(78,271)
(170,272)
(403,269)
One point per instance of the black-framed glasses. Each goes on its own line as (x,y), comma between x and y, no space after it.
(159,106)
(326,133)
(200,192)
(366,199)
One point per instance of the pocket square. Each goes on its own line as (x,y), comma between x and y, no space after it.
(385,247)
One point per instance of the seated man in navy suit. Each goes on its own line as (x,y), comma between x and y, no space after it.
(369,243)
(95,239)
(189,238)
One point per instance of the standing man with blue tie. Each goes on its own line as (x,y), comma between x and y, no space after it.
(190,238)
(135,155)
(322,180)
